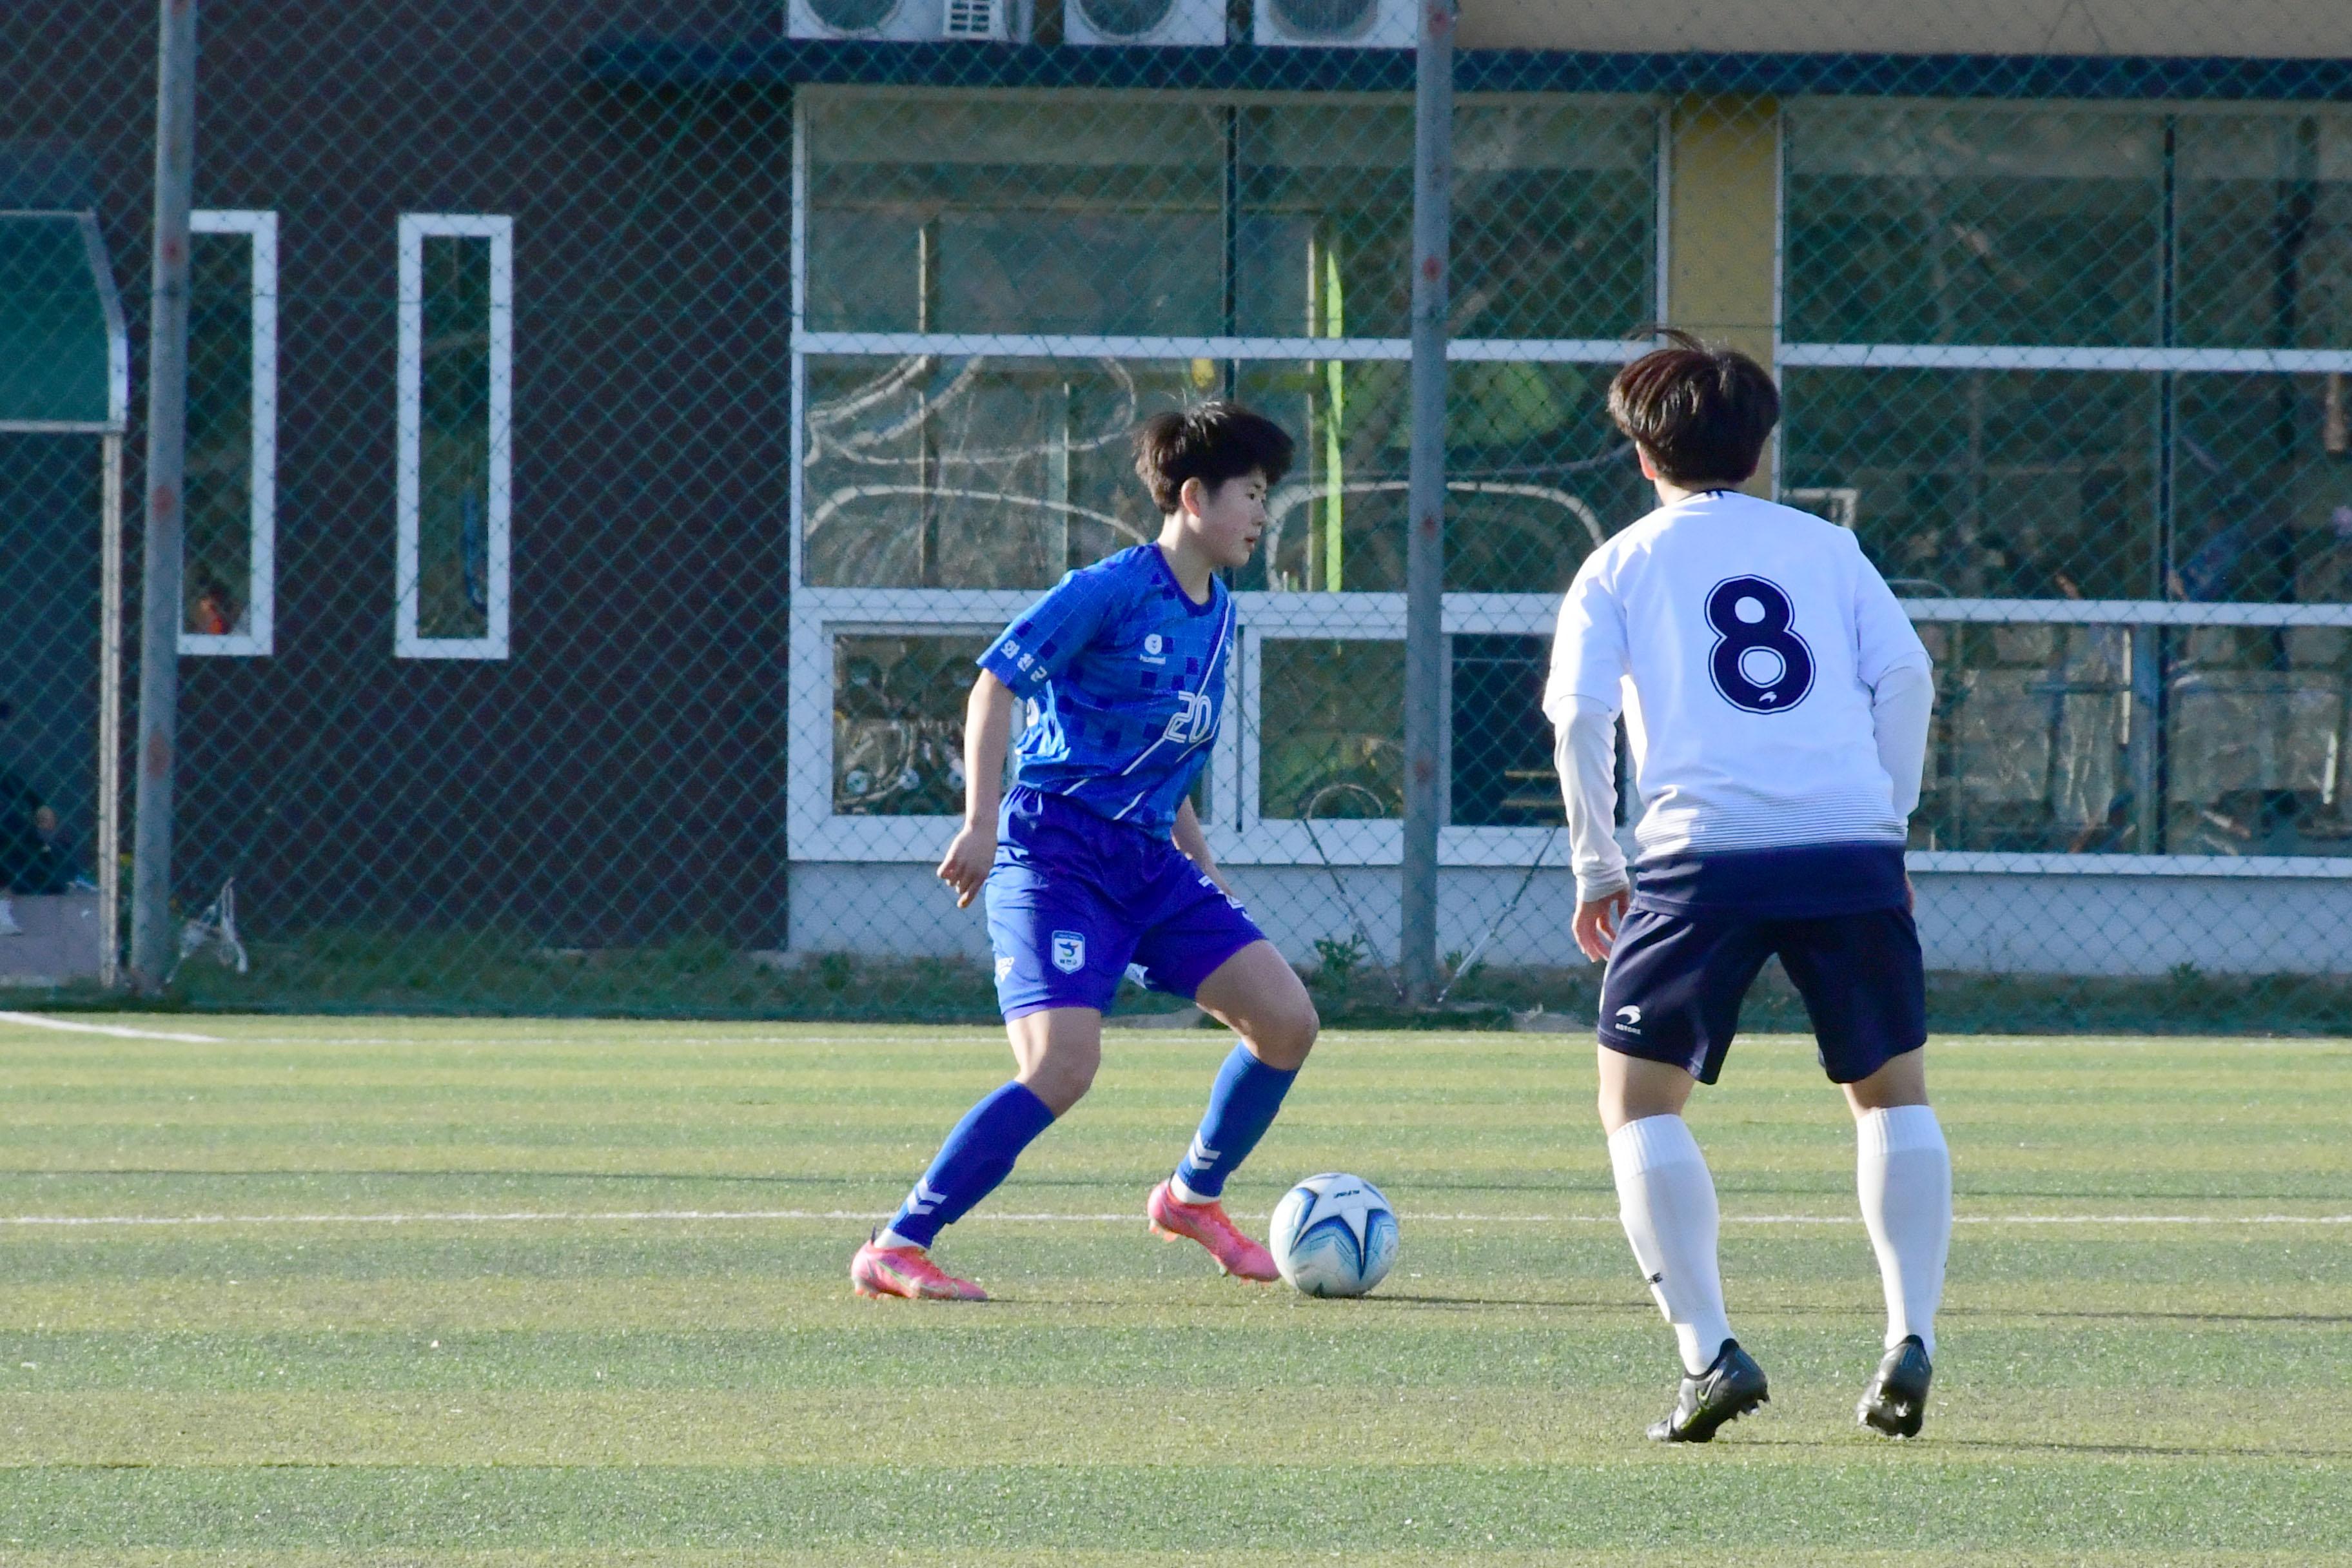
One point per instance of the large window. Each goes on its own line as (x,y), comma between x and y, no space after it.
(455,415)
(2077,377)
(230,572)
(992,289)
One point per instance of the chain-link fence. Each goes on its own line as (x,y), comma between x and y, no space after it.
(614,429)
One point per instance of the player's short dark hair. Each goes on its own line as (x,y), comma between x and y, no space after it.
(1701,411)
(1211,442)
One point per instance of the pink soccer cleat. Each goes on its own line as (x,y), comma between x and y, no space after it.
(1236,1254)
(908,1271)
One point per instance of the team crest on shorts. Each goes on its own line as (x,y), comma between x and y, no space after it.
(1069,952)
(1003,969)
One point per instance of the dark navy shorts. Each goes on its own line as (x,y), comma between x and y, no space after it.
(1675,982)
(1074,898)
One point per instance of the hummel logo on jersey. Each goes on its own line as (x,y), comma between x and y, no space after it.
(1629,1019)
(1194,719)
(1069,952)
(1155,649)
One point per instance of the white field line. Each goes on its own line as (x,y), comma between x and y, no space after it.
(36,1020)
(701,1217)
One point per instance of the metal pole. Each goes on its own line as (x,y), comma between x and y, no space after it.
(151,943)
(110,718)
(1424,571)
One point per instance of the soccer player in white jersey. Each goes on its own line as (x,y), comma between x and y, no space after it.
(1776,700)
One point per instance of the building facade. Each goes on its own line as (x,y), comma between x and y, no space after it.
(612,433)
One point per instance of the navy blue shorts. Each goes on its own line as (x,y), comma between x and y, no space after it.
(1675,982)
(1074,898)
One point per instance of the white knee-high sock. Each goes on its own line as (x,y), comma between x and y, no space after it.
(1667,1198)
(1904,1173)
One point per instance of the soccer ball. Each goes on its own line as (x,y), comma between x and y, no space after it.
(1334,1235)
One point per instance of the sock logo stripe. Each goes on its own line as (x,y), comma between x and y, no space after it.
(923,1199)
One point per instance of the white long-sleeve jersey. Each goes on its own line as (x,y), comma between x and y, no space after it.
(1775,696)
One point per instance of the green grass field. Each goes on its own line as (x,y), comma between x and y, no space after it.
(370,1290)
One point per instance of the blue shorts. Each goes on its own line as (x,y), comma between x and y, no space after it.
(1075,898)
(1675,982)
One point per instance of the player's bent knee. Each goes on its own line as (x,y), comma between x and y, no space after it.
(1061,1083)
(1260,997)
(1060,1067)
(1633,1088)
(1900,1080)
(1617,1110)
(1283,1040)
(1281,1028)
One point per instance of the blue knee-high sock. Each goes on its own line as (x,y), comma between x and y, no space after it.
(1241,1108)
(976,1157)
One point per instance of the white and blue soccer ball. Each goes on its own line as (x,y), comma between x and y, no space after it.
(1334,1235)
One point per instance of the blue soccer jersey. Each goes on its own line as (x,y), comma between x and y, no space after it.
(1125,679)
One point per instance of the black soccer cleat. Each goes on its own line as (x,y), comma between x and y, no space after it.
(1731,1387)
(1896,1402)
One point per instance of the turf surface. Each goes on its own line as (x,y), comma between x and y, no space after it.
(415,1322)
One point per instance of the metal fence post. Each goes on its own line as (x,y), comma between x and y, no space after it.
(110,714)
(1424,580)
(167,421)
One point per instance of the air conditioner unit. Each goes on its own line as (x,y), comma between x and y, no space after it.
(1340,23)
(1182,22)
(910,21)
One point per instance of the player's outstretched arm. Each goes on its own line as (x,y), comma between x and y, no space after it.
(987,726)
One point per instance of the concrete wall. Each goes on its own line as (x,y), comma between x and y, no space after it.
(2301,29)
(2135,925)
(2111,925)
(58,941)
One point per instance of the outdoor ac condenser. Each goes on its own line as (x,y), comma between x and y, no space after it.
(910,21)
(1194,22)
(1339,23)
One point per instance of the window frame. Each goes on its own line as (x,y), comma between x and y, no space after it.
(259,640)
(2163,359)
(416,228)
(1237,833)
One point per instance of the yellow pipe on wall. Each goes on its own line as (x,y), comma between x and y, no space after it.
(1723,226)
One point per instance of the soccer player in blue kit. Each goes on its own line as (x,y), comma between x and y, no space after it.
(1776,703)
(1094,860)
